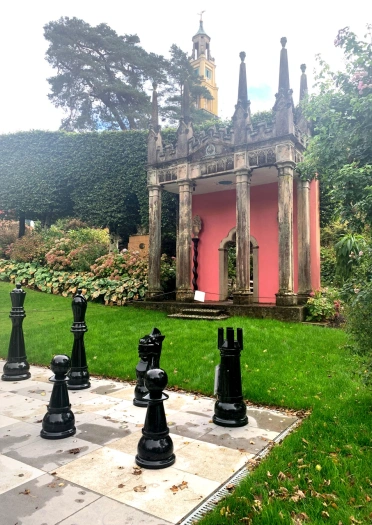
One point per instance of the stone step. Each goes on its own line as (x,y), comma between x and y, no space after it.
(203,311)
(199,316)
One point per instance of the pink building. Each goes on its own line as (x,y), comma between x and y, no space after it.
(239,187)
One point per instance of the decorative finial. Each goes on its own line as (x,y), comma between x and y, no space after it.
(303,68)
(242,56)
(201,15)
(283,41)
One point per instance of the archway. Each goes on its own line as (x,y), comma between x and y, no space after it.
(223,265)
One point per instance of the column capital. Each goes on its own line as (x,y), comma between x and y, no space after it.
(243,175)
(154,187)
(186,182)
(286,167)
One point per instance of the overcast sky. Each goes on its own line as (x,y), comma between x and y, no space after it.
(253,27)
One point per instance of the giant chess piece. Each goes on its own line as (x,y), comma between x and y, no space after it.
(230,409)
(59,421)
(155,448)
(78,376)
(17,368)
(149,351)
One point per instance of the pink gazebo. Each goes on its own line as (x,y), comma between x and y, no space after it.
(238,186)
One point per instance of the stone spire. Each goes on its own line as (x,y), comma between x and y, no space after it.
(303,82)
(242,116)
(185,129)
(154,140)
(301,123)
(283,107)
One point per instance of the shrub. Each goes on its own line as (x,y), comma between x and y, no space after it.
(359,314)
(325,305)
(30,247)
(8,235)
(77,249)
(105,284)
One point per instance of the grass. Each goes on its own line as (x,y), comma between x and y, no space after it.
(320,473)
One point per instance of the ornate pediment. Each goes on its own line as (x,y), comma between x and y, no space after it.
(209,150)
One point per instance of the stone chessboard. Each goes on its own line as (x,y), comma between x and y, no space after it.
(92,478)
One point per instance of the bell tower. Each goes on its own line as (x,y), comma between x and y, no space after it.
(204,67)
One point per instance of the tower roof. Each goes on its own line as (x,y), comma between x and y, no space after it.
(200,30)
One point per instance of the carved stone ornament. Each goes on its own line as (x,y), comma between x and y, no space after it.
(210,150)
(196,226)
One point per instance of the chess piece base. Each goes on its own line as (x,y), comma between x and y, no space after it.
(230,414)
(230,422)
(78,379)
(58,425)
(140,402)
(155,465)
(16,371)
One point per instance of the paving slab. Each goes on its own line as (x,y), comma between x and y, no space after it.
(92,478)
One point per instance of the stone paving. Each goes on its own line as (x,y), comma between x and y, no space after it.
(92,478)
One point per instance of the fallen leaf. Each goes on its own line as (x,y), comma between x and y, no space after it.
(325,514)
(137,471)
(281,476)
(120,486)
(304,440)
(174,488)
(74,451)
(25,492)
(61,484)
(230,486)
(183,485)
(252,442)
(269,475)
(139,488)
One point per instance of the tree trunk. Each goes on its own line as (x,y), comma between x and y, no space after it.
(22,224)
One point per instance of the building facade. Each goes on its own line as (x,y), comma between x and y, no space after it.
(238,186)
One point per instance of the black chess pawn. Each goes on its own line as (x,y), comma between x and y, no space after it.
(149,351)
(230,409)
(59,421)
(16,367)
(78,376)
(155,448)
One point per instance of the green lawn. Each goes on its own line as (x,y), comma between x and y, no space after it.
(320,473)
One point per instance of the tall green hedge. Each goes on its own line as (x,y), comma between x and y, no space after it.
(98,177)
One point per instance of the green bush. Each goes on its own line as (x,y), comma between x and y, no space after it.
(113,280)
(29,248)
(8,235)
(325,305)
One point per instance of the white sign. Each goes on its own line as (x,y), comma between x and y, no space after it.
(199,296)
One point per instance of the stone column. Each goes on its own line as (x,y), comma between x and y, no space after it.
(184,289)
(154,291)
(285,295)
(303,229)
(243,295)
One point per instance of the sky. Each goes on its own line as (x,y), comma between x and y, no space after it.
(253,27)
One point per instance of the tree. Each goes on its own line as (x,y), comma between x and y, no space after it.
(181,71)
(101,76)
(341,115)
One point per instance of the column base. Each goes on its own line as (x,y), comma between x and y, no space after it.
(154,295)
(243,297)
(286,299)
(302,297)
(185,296)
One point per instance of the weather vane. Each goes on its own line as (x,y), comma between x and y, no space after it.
(201,15)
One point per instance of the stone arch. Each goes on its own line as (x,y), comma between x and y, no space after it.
(223,265)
